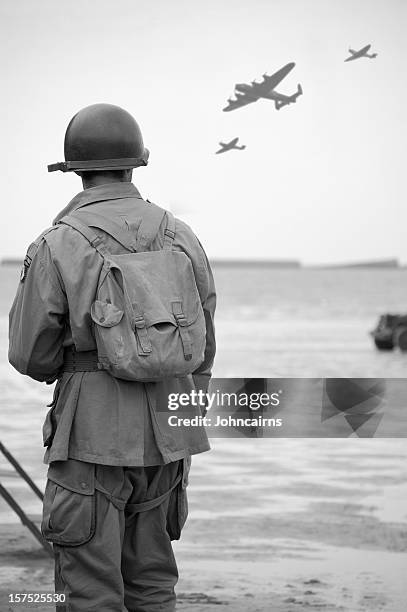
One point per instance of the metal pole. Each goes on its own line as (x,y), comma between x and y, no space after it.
(26,521)
(21,471)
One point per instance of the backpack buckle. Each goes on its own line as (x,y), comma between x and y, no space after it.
(139,322)
(96,241)
(181,319)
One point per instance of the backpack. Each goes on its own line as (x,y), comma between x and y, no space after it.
(147,317)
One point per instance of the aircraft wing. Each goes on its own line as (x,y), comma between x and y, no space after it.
(241,100)
(273,80)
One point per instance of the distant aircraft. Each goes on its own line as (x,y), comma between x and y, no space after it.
(246,94)
(361,53)
(228,146)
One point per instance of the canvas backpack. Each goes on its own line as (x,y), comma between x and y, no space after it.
(147,317)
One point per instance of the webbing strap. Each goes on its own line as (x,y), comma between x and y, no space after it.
(101,164)
(140,329)
(182,323)
(169,232)
(133,509)
(110,227)
(89,234)
(152,216)
(152,503)
(118,503)
(80,361)
(149,226)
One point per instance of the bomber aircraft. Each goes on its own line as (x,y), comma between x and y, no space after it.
(246,94)
(228,146)
(361,53)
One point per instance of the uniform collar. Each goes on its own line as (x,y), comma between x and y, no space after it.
(101,193)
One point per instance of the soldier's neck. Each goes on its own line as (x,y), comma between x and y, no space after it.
(94,179)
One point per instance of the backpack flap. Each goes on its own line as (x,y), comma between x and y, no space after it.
(162,330)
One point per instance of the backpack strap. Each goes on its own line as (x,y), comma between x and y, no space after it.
(169,232)
(152,217)
(87,232)
(177,311)
(112,228)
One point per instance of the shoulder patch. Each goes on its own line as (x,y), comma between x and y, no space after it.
(32,249)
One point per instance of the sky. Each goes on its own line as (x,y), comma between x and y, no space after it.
(321,180)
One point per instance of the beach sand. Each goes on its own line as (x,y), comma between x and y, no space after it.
(280,525)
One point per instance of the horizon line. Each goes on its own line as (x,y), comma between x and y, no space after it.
(389,262)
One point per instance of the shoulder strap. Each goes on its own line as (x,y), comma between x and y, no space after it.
(89,234)
(169,232)
(150,224)
(151,220)
(112,228)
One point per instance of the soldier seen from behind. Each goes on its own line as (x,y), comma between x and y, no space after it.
(116,304)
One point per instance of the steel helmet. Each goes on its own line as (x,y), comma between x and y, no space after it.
(102,137)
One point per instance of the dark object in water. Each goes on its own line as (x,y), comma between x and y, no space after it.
(390,332)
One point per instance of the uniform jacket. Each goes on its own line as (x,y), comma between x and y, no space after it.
(95,417)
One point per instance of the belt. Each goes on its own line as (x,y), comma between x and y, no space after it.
(80,361)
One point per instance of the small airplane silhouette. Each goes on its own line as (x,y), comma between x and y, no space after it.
(361,53)
(246,94)
(228,146)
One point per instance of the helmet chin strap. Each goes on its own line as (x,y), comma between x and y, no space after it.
(101,164)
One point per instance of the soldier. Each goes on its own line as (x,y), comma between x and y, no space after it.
(115,494)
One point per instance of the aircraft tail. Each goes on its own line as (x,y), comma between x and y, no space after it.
(289,100)
(373,55)
(297,93)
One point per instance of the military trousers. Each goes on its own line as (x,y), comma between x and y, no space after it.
(111,528)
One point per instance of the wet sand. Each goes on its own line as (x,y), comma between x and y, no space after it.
(324,528)
(280,525)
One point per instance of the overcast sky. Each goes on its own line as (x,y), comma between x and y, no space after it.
(321,180)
